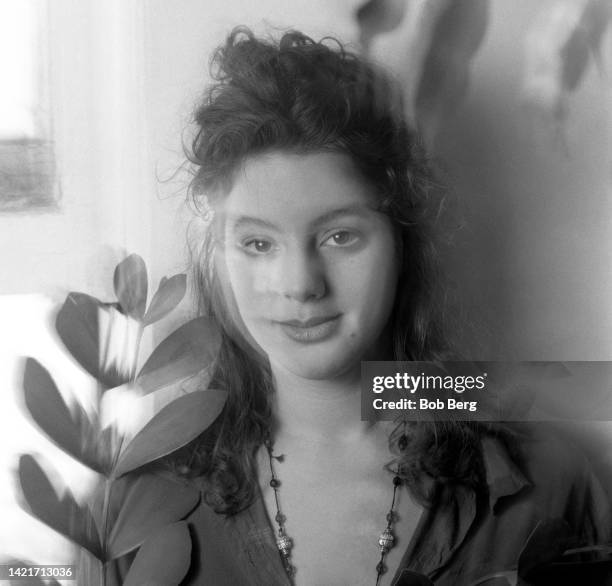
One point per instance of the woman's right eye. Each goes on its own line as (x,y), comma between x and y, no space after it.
(257,246)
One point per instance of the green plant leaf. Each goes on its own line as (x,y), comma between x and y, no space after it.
(163,559)
(168,295)
(64,515)
(130,281)
(152,502)
(78,327)
(175,425)
(185,352)
(73,432)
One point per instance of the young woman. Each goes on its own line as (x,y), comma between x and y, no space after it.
(320,255)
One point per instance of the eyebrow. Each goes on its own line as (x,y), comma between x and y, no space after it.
(360,210)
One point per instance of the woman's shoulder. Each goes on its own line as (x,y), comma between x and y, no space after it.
(551,457)
(554,477)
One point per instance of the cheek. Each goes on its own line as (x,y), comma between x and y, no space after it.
(248,282)
(234,284)
(239,274)
(373,280)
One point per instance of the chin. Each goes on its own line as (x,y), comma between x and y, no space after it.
(320,367)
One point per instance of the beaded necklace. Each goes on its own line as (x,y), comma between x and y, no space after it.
(386,539)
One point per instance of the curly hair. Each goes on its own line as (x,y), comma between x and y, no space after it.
(301,96)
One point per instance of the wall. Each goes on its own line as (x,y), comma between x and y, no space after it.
(534,258)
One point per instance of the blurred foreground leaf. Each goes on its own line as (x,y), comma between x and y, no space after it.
(77,324)
(163,559)
(185,352)
(152,502)
(168,295)
(73,432)
(64,515)
(131,285)
(174,426)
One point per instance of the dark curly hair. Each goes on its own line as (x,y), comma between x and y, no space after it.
(301,96)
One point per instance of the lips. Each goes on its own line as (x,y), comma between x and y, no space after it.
(314,329)
(308,323)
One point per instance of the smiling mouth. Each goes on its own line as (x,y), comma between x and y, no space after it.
(311,330)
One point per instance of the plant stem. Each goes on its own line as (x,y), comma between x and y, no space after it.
(105,514)
(136,353)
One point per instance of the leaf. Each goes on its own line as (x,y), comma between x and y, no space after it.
(185,352)
(168,295)
(64,515)
(379,16)
(47,407)
(74,433)
(546,543)
(78,327)
(585,39)
(130,281)
(458,32)
(175,425)
(152,502)
(163,559)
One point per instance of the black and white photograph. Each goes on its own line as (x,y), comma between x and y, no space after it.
(306,293)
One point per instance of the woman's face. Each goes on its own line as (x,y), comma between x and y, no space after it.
(310,262)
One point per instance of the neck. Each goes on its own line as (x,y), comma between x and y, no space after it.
(318,410)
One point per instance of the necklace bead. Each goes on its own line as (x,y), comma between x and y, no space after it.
(386,540)
(284,544)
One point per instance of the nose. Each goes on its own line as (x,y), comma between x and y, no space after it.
(300,276)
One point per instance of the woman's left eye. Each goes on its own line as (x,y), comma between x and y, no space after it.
(342,238)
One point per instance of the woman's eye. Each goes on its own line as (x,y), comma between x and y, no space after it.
(257,246)
(342,238)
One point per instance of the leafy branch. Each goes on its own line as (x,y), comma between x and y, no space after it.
(131,508)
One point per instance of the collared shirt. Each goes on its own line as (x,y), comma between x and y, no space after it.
(461,539)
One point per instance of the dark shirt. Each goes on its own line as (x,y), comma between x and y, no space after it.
(462,538)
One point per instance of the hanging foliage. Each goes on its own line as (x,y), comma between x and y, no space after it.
(431,45)
(561,44)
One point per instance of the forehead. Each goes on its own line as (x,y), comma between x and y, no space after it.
(287,187)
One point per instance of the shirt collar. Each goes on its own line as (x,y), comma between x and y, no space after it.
(503,476)
(445,526)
